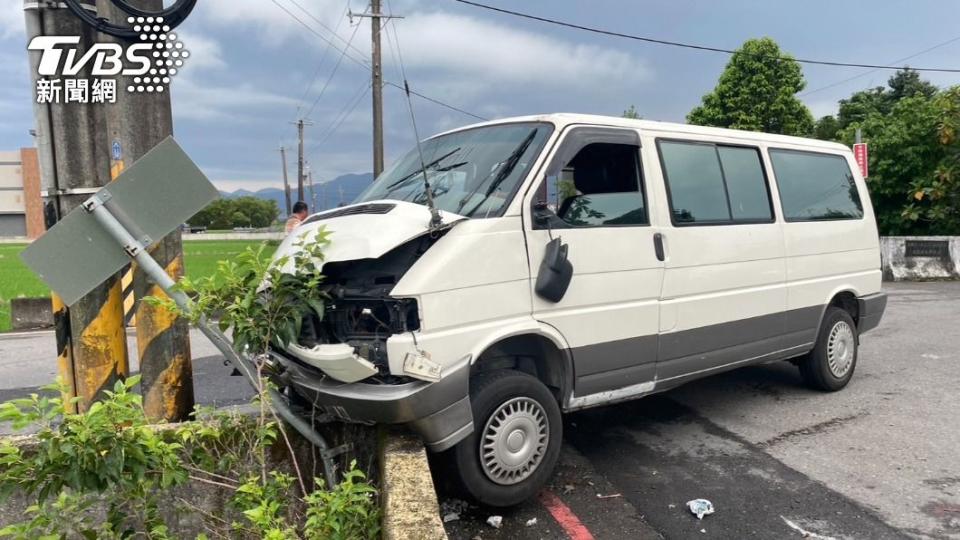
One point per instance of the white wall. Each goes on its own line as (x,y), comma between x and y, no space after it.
(898,267)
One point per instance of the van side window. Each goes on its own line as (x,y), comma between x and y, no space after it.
(715,184)
(815,187)
(600,186)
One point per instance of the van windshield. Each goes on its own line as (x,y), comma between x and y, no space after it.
(474,172)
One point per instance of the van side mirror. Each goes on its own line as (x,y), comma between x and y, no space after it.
(541,213)
(555,273)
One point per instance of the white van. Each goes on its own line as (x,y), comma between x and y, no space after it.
(565,261)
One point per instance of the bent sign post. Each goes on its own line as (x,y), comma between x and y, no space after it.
(154,196)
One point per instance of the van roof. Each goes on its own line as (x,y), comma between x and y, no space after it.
(562,120)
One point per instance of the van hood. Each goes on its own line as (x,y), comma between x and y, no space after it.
(365,230)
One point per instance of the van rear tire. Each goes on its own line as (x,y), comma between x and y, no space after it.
(516,439)
(831,363)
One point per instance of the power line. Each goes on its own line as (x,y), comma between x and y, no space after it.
(325,27)
(342,116)
(690,45)
(865,73)
(367,66)
(332,72)
(436,101)
(318,34)
(323,60)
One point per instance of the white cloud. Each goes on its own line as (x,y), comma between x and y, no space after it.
(250,184)
(11,19)
(197,101)
(271,23)
(478,52)
(205,52)
(483,52)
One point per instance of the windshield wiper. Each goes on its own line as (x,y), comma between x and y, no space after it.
(506,167)
(426,167)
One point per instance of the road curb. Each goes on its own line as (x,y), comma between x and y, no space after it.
(408,498)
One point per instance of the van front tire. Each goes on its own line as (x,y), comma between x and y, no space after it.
(831,363)
(516,439)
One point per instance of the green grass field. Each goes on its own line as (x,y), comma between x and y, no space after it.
(16,280)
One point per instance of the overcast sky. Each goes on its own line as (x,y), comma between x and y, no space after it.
(253,67)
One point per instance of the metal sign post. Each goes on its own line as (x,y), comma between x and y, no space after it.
(118,224)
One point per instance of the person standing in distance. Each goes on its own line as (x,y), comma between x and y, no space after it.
(296,217)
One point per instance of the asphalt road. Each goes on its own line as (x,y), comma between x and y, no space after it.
(28,361)
(880,459)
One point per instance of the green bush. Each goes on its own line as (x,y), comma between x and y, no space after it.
(106,473)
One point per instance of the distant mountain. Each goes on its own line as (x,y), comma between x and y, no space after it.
(344,188)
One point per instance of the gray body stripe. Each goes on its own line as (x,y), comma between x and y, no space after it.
(681,356)
(608,380)
(615,364)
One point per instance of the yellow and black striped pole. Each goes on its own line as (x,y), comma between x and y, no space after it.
(136,123)
(99,341)
(163,341)
(61,325)
(91,341)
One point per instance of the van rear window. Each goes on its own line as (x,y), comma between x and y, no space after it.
(815,187)
(715,184)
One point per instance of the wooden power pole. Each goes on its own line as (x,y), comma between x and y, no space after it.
(301,175)
(286,182)
(377,89)
(376,71)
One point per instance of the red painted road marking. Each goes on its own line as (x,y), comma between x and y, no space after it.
(564,516)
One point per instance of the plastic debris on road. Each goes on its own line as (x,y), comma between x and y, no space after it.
(531,522)
(700,507)
(495,521)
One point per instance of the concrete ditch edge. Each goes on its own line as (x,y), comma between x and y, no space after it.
(408,498)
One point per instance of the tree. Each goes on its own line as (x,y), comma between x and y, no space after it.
(826,128)
(239,212)
(936,196)
(881,100)
(914,163)
(903,148)
(632,113)
(907,83)
(757,92)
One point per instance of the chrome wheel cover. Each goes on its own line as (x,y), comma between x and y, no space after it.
(841,347)
(514,441)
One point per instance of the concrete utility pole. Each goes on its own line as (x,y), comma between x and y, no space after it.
(301,178)
(286,183)
(313,196)
(376,71)
(377,88)
(138,121)
(73,149)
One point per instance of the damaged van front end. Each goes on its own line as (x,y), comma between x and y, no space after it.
(341,362)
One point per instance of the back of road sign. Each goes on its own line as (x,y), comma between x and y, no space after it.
(153,197)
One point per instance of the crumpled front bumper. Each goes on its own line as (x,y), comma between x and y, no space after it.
(339,361)
(438,411)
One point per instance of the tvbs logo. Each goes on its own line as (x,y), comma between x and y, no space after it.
(151,63)
(106,58)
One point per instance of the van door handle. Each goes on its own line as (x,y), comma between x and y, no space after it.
(658,246)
